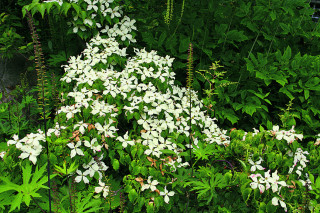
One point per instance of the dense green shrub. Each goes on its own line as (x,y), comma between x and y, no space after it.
(235,32)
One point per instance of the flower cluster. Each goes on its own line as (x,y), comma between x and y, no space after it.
(266,182)
(29,145)
(289,136)
(101,13)
(299,157)
(146,88)
(269,181)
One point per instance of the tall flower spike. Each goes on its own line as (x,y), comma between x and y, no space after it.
(190,67)
(42,87)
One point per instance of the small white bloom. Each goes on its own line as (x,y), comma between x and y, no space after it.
(81,176)
(151,184)
(74,149)
(258,181)
(166,194)
(255,165)
(102,188)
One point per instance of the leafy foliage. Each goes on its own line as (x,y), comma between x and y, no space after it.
(32,183)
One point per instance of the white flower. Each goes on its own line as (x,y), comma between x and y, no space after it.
(114,12)
(255,165)
(166,194)
(125,140)
(31,153)
(75,150)
(92,5)
(102,188)
(81,176)
(276,201)
(258,181)
(151,184)
(2,154)
(14,141)
(82,126)
(92,145)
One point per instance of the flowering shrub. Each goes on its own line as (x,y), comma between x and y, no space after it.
(126,129)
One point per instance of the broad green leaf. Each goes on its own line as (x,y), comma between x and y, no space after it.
(162,38)
(65,8)
(184,44)
(246,194)
(49,6)
(42,9)
(115,164)
(287,54)
(306,94)
(76,7)
(132,195)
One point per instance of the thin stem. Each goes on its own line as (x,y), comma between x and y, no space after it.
(38,205)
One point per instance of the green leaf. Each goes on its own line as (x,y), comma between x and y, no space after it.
(270,207)
(26,190)
(273,15)
(246,194)
(162,38)
(318,183)
(76,7)
(306,94)
(115,164)
(16,203)
(42,9)
(132,195)
(48,6)
(66,171)
(287,54)
(65,8)
(235,35)
(246,169)
(184,45)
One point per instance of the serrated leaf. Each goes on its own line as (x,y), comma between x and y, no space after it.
(287,54)
(16,203)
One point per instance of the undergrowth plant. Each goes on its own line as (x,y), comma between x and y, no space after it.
(127,138)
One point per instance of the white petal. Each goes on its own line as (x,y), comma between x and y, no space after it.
(166,199)
(275,201)
(98,189)
(73,153)
(171,193)
(78,179)
(79,152)
(24,155)
(33,159)
(85,179)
